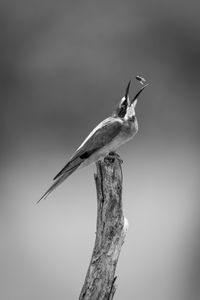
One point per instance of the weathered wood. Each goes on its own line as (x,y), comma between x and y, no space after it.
(110,233)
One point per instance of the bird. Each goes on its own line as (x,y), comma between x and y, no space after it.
(105,138)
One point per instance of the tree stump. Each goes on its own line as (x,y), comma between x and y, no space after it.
(111,229)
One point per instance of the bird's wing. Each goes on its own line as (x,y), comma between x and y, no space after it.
(99,137)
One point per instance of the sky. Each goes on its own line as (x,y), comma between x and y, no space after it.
(64,65)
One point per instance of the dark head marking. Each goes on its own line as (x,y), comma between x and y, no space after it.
(122,108)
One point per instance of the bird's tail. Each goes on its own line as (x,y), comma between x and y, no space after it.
(58,182)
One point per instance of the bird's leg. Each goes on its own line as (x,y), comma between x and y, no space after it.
(112,156)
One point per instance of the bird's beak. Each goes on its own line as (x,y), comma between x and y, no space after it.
(138,93)
(127,90)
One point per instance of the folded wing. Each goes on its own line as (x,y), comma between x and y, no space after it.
(99,137)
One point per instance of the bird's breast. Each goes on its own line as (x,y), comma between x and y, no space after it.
(127,132)
(130,128)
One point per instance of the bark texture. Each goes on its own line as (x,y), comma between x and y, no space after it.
(110,233)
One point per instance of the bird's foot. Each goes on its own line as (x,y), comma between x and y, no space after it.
(112,156)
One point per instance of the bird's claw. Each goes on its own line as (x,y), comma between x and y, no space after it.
(112,156)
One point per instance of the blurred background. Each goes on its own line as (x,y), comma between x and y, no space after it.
(63,67)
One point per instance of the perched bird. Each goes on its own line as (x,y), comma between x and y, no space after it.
(111,133)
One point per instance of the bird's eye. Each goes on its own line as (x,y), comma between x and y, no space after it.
(123,107)
(124,103)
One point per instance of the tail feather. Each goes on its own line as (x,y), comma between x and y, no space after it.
(58,182)
(69,166)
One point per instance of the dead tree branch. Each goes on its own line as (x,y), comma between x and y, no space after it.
(110,233)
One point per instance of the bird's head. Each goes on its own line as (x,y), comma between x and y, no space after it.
(126,107)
